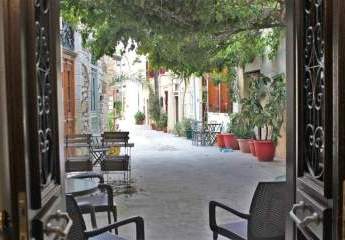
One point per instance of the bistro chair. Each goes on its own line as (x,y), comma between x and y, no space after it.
(79,232)
(78,156)
(266,218)
(102,201)
(120,162)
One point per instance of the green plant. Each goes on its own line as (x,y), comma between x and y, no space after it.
(266,106)
(275,108)
(240,125)
(139,117)
(187,124)
(178,129)
(163,121)
(118,107)
(154,108)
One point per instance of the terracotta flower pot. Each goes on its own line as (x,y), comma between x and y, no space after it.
(265,150)
(252,147)
(244,145)
(230,141)
(220,140)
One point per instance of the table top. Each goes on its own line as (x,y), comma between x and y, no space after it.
(79,187)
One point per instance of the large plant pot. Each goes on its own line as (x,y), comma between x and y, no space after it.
(220,140)
(153,126)
(230,141)
(244,145)
(139,122)
(265,150)
(189,134)
(252,147)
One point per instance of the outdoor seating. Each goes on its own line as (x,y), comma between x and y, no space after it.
(79,231)
(205,134)
(102,201)
(266,218)
(118,160)
(77,148)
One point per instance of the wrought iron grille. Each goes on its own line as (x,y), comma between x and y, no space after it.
(314,89)
(44,91)
(67,36)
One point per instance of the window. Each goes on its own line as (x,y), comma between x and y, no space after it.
(93,89)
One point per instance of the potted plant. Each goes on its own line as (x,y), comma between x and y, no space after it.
(220,140)
(178,129)
(230,140)
(163,122)
(270,120)
(187,126)
(139,118)
(242,129)
(154,109)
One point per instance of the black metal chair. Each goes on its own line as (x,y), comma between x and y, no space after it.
(102,201)
(79,231)
(120,163)
(266,218)
(78,156)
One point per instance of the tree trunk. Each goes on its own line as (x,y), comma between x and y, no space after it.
(156,82)
(184,95)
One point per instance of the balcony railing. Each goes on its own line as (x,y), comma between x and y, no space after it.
(67,36)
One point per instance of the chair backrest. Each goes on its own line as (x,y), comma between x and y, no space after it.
(78,227)
(268,212)
(196,125)
(111,137)
(78,138)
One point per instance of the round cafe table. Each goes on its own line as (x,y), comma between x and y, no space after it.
(79,187)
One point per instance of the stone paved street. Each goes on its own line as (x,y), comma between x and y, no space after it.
(174,182)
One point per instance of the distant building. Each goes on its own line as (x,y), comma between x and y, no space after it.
(82,85)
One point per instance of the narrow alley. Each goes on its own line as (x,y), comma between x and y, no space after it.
(174,181)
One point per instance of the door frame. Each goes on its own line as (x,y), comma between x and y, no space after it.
(293,17)
(29,210)
(338,185)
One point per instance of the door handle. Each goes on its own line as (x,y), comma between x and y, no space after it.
(61,232)
(302,224)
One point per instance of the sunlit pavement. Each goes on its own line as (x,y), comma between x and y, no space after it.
(173,182)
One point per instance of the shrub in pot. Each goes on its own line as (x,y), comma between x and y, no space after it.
(139,118)
(230,141)
(178,129)
(163,122)
(270,120)
(187,128)
(154,108)
(241,127)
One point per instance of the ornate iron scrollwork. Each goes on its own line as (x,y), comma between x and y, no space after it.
(314,88)
(44,90)
(67,36)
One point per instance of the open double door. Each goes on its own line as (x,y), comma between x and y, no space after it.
(31,113)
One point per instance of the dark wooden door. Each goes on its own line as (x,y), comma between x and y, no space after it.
(68,84)
(32,60)
(313,120)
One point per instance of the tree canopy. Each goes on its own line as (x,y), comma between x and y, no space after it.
(186,36)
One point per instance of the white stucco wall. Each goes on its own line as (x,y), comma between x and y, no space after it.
(133,67)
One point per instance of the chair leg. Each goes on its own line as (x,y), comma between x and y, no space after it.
(215,236)
(114,210)
(109,217)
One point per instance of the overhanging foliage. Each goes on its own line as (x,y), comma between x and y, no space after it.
(186,36)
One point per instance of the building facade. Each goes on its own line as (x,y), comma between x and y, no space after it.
(82,86)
